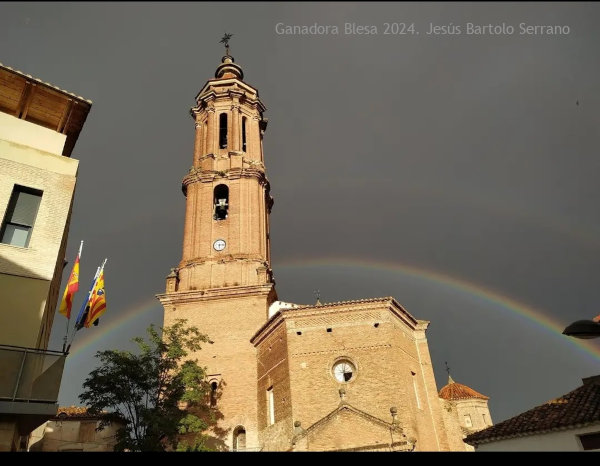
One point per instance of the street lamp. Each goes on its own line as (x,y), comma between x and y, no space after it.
(584,328)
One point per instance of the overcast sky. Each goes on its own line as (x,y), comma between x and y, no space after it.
(457,173)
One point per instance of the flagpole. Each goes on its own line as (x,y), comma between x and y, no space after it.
(69,318)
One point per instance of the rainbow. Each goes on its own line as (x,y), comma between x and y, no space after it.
(529,313)
(533,315)
(95,334)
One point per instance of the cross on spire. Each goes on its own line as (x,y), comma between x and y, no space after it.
(448,370)
(225,41)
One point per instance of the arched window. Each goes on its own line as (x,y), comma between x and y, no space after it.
(244,134)
(223,131)
(221,202)
(213,394)
(239,438)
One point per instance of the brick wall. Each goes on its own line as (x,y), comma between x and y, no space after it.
(390,353)
(230,322)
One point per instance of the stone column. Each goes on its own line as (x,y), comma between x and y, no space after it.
(211,139)
(254,139)
(198,146)
(205,137)
(235,122)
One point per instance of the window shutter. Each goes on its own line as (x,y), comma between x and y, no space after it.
(25,209)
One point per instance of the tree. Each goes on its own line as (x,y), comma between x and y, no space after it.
(161,395)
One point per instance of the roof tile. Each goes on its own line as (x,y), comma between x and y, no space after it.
(579,407)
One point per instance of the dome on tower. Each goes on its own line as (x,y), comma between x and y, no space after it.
(229,69)
(456,391)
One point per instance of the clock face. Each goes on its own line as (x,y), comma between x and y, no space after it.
(344,371)
(219,245)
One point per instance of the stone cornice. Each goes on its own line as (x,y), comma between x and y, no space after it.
(345,406)
(221,88)
(227,258)
(197,175)
(197,296)
(233,93)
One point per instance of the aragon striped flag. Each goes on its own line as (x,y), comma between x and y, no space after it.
(97,302)
(71,288)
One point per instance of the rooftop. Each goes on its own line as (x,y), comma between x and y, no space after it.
(456,391)
(578,408)
(44,104)
(300,310)
(81,413)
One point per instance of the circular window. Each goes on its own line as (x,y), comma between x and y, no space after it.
(344,370)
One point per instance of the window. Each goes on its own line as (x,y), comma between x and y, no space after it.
(344,370)
(221,202)
(244,134)
(484,420)
(213,394)
(270,407)
(468,421)
(20,216)
(239,438)
(590,441)
(223,131)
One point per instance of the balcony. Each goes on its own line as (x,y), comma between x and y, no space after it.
(30,380)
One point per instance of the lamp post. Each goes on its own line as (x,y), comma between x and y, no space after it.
(584,328)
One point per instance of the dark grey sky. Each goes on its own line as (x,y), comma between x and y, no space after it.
(462,156)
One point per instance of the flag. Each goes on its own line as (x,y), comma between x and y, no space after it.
(71,288)
(97,302)
(82,316)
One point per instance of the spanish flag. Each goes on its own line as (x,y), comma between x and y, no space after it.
(97,302)
(71,288)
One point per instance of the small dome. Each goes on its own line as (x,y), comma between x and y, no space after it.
(229,69)
(456,391)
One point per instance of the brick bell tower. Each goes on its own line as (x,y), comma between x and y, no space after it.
(224,283)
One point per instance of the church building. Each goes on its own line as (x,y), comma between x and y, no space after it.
(346,376)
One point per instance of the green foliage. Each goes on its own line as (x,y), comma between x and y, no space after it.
(158,393)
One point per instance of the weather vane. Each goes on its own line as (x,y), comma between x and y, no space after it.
(225,41)
(447,368)
(318,296)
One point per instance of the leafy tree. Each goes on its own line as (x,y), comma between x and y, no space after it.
(160,395)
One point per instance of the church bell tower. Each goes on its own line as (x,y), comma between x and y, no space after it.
(226,236)
(223,284)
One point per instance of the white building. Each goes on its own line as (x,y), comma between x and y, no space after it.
(39,125)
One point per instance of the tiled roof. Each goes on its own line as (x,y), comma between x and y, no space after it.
(80,412)
(457,391)
(72,412)
(577,408)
